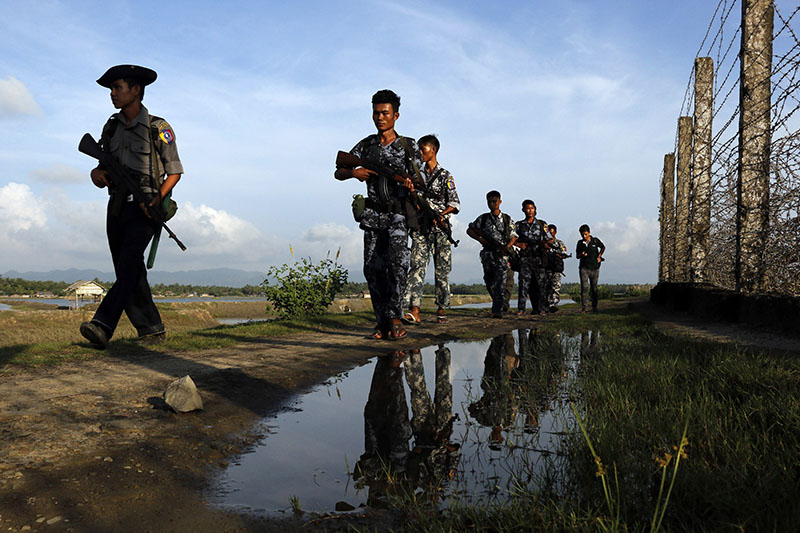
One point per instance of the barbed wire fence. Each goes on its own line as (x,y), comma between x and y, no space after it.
(735,249)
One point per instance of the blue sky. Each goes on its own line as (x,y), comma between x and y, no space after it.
(571,103)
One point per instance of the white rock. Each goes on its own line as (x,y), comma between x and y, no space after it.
(182,395)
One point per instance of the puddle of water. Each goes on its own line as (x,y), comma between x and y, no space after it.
(476,420)
(4,307)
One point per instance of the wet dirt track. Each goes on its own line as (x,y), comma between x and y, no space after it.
(88,446)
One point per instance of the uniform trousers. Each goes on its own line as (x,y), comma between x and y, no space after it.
(430,416)
(553,288)
(423,245)
(386,261)
(128,235)
(532,279)
(494,265)
(508,288)
(386,426)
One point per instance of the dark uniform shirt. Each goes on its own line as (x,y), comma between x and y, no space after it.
(534,235)
(391,197)
(132,145)
(500,227)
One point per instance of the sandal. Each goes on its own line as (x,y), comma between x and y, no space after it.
(377,334)
(397,332)
(409,318)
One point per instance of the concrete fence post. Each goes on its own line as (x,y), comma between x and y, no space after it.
(682,253)
(666,265)
(701,166)
(752,220)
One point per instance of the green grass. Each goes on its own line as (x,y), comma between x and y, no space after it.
(636,391)
(190,329)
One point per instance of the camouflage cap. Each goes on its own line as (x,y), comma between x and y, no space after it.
(143,74)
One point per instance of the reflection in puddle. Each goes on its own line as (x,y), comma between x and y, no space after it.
(512,304)
(472,422)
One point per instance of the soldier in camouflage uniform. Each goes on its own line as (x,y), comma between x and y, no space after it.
(556,253)
(386,427)
(532,275)
(433,457)
(500,229)
(497,407)
(440,192)
(430,417)
(145,144)
(386,253)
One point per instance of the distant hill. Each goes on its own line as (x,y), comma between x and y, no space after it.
(225,277)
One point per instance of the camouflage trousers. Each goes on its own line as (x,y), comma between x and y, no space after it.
(386,425)
(386,260)
(429,416)
(423,245)
(508,289)
(532,283)
(494,265)
(553,288)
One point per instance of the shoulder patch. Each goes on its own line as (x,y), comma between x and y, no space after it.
(165,133)
(451,184)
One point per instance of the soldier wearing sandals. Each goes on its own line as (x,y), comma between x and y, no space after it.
(429,239)
(386,253)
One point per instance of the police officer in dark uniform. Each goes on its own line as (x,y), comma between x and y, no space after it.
(145,144)
(386,252)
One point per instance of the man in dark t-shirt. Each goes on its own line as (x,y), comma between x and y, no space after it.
(589,252)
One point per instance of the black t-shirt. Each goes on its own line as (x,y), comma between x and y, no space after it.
(593,248)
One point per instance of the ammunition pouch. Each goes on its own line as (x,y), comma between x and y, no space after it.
(359,205)
(169,206)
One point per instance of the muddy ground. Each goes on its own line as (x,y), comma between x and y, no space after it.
(90,445)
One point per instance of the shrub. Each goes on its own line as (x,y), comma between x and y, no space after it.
(304,288)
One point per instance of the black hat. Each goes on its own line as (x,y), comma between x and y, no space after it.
(143,74)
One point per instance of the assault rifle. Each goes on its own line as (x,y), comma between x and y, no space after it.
(493,243)
(125,183)
(427,210)
(385,173)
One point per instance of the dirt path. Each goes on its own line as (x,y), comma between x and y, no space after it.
(89,446)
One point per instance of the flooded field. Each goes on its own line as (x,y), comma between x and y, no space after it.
(475,421)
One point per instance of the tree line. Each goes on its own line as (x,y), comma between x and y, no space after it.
(10,286)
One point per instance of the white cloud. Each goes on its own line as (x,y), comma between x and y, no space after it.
(59,174)
(320,239)
(15,99)
(327,232)
(631,249)
(19,210)
(635,235)
(214,231)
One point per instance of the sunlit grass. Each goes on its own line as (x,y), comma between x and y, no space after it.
(636,389)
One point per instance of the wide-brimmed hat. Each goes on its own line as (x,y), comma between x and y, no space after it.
(143,74)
